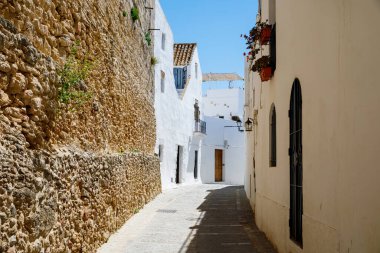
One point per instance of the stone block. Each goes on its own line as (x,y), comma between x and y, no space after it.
(4,99)
(18,84)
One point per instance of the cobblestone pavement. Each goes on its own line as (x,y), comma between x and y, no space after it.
(192,219)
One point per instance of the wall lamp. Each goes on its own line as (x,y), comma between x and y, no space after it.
(249,125)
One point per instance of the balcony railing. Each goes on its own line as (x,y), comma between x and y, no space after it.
(200,127)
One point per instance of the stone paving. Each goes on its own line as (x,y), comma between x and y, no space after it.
(192,219)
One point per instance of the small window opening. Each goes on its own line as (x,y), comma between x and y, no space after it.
(162,81)
(163,41)
(161,152)
(197,112)
(196,165)
(272,137)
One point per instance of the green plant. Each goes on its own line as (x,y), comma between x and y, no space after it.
(153,61)
(72,75)
(135,14)
(261,63)
(124,13)
(148,38)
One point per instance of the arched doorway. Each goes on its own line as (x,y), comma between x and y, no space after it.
(295,158)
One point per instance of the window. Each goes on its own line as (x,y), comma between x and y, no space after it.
(196,165)
(162,81)
(272,137)
(196,70)
(272,48)
(180,77)
(254,97)
(272,11)
(163,41)
(160,152)
(197,113)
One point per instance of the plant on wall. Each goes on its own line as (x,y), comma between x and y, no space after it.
(124,13)
(73,90)
(135,14)
(153,61)
(261,63)
(257,36)
(263,67)
(148,38)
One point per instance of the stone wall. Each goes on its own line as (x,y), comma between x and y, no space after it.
(68,200)
(36,38)
(69,177)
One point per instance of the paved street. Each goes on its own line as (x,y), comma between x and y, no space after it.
(200,218)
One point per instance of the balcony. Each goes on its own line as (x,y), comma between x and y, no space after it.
(200,127)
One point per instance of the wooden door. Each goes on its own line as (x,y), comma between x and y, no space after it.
(218,165)
(296,167)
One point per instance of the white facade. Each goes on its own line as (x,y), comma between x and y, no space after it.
(174,113)
(224,103)
(223,135)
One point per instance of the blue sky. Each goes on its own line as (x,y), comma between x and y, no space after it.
(216,26)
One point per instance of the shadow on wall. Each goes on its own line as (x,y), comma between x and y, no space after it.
(226,225)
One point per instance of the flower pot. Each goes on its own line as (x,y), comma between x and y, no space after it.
(265,35)
(266,74)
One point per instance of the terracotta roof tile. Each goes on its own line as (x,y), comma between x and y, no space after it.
(183,53)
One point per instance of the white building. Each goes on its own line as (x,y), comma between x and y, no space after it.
(178,94)
(224,103)
(223,152)
(223,149)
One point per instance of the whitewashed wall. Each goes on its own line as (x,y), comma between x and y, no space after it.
(224,102)
(174,115)
(233,153)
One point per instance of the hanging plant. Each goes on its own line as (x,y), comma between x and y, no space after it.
(261,63)
(257,36)
(135,14)
(263,67)
(265,34)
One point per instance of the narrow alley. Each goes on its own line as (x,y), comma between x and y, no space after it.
(196,218)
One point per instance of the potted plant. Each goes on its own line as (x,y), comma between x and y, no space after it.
(262,65)
(265,33)
(259,34)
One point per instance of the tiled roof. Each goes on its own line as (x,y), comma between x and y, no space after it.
(183,53)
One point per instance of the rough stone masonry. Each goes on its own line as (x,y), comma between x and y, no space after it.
(71,177)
